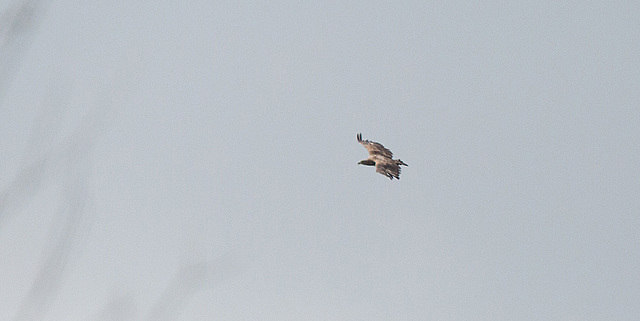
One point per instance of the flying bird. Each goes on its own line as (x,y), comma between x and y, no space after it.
(381,158)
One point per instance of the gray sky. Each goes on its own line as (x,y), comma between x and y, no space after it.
(199,162)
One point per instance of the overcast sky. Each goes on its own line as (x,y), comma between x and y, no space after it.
(198,160)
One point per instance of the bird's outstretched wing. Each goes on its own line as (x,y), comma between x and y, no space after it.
(374,148)
(389,169)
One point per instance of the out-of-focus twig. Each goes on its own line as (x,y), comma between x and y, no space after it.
(36,158)
(119,308)
(51,272)
(18,24)
(70,163)
(190,280)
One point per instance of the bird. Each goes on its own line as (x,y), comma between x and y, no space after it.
(381,158)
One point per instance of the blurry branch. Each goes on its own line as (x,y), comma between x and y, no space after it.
(119,308)
(17,28)
(51,272)
(23,187)
(71,163)
(190,280)
(36,158)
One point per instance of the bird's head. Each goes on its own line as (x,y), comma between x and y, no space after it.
(367,162)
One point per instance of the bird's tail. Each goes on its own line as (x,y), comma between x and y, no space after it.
(399,162)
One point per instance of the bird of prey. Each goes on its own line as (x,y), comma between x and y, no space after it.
(381,158)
